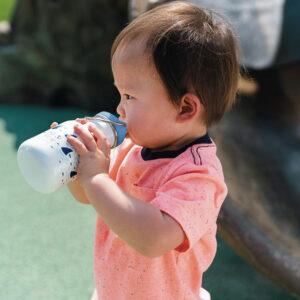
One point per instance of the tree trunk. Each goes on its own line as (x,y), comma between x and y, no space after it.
(58,53)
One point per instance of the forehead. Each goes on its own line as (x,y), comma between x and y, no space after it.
(132,51)
(132,64)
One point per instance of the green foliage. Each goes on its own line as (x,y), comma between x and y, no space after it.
(6,8)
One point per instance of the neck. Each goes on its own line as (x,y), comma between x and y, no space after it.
(184,140)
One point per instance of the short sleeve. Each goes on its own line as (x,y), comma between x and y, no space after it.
(194,201)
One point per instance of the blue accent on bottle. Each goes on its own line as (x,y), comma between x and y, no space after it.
(121,130)
(73,135)
(66,150)
(72,174)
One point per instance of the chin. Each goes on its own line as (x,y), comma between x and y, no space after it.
(136,142)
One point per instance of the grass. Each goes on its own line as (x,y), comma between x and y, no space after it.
(6,8)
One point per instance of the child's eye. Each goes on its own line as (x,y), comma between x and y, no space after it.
(128,97)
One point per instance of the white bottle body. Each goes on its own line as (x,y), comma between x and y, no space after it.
(48,161)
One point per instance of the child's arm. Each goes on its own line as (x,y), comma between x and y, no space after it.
(141,225)
(78,192)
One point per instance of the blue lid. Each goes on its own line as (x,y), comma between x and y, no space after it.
(121,130)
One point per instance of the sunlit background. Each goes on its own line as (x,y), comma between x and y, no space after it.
(6,8)
(46,241)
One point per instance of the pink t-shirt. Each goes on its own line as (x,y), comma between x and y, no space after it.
(189,186)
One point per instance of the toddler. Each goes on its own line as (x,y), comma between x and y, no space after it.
(159,193)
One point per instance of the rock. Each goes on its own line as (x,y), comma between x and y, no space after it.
(59,53)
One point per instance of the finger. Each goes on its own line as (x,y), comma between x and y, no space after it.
(54,124)
(86,137)
(81,121)
(78,145)
(100,138)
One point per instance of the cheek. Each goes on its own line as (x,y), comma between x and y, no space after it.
(137,128)
(134,124)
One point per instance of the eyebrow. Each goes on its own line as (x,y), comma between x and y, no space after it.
(124,86)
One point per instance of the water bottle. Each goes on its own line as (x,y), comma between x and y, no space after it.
(47,161)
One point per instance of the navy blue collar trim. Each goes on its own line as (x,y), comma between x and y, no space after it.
(147,153)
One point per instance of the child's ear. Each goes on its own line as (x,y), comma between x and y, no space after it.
(190,107)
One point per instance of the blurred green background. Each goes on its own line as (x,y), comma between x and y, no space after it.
(46,241)
(6,7)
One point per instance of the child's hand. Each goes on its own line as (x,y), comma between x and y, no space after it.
(53,124)
(81,121)
(93,151)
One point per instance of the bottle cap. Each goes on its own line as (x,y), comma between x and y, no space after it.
(119,126)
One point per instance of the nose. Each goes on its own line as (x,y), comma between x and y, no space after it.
(120,110)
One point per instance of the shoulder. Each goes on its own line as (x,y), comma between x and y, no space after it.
(198,159)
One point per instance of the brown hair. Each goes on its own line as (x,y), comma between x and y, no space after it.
(193,50)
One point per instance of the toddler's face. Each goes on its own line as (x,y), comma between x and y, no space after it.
(144,105)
